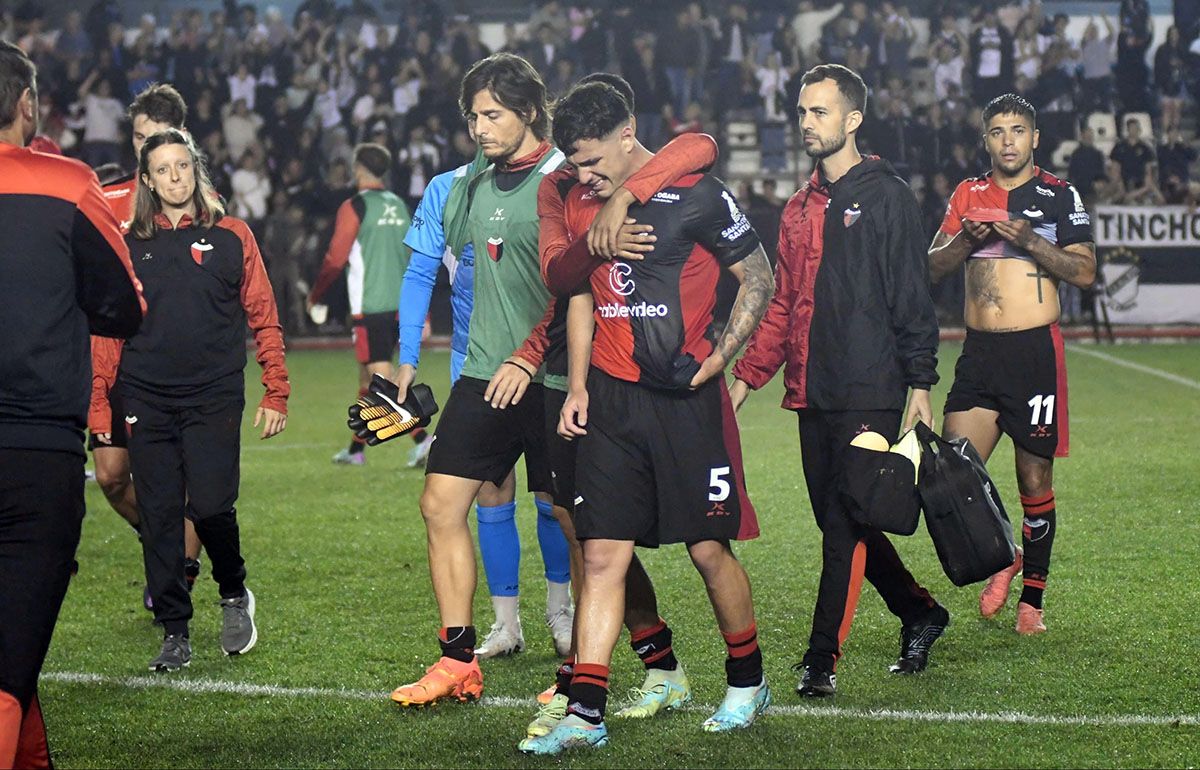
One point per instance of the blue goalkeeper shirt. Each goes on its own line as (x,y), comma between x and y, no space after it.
(427,239)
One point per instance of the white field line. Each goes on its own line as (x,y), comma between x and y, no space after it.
(206,686)
(1175,378)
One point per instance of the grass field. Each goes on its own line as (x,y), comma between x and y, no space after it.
(337,559)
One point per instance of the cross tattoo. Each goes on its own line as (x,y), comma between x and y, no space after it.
(1039,275)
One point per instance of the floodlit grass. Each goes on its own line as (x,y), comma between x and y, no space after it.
(336,557)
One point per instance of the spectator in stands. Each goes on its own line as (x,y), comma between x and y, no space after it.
(251,189)
(1132,44)
(898,36)
(1086,166)
(949,61)
(991,59)
(240,128)
(102,116)
(1175,158)
(1170,79)
(1135,161)
(1097,56)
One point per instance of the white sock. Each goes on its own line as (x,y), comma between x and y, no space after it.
(558,596)
(735,696)
(507,610)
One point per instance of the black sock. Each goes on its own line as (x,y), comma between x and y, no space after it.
(743,665)
(589,692)
(356,446)
(653,646)
(418,435)
(562,677)
(1037,538)
(458,642)
(191,571)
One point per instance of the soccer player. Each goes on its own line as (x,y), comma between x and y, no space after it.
(494,413)
(64,269)
(157,108)
(1021,230)
(852,323)
(182,383)
(496,508)
(368,236)
(659,459)
(612,233)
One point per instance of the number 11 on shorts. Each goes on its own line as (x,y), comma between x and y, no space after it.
(1037,403)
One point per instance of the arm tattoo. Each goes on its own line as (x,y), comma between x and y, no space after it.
(1062,264)
(982,287)
(758,284)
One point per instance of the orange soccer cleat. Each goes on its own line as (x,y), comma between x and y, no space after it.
(995,593)
(1029,620)
(448,678)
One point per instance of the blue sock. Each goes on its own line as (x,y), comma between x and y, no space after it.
(555,555)
(500,547)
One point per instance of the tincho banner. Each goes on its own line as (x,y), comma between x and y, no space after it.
(1149,260)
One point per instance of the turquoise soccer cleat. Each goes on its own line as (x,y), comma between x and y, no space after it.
(742,705)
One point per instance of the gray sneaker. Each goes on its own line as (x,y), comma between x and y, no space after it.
(238,633)
(176,654)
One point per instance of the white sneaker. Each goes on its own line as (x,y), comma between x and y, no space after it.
(419,452)
(501,640)
(560,623)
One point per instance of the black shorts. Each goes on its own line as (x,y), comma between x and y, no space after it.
(561,452)
(1022,376)
(376,336)
(661,466)
(118,434)
(475,441)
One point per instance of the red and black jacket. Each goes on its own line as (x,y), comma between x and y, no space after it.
(64,270)
(203,285)
(852,320)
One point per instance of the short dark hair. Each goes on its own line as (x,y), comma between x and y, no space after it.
(1009,104)
(850,84)
(617,82)
(161,103)
(588,111)
(515,84)
(375,158)
(17,72)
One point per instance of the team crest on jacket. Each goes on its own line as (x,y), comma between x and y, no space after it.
(851,215)
(495,248)
(200,251)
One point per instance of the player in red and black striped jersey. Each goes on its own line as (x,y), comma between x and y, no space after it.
(1020,230)
(659,458)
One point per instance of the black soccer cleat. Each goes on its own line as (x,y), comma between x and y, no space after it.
(916,640)
(816,681)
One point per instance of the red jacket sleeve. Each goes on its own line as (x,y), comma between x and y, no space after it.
(768,345)
(683,155)
(106,358)
(345,230)
(534,348)
(258,298)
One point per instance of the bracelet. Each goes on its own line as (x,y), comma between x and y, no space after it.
(527,372)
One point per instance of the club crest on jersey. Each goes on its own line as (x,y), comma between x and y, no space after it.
(495,247)
(851,215)
(200,251)
(619,280)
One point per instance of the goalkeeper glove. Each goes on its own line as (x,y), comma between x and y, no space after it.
(379,416)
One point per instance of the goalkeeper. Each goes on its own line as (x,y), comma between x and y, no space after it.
(496,506)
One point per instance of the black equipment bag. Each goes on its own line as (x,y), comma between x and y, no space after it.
(879,489)
(963,511)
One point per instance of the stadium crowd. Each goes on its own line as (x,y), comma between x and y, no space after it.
(278,103)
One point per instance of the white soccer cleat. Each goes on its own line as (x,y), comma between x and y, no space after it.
(560,623)
(502,639)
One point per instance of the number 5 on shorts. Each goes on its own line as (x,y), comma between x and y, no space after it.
(718,487)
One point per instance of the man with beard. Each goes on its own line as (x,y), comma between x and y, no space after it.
(853,323)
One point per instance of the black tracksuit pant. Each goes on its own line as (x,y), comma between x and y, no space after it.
(186,461)
(41,511)
(824,438)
